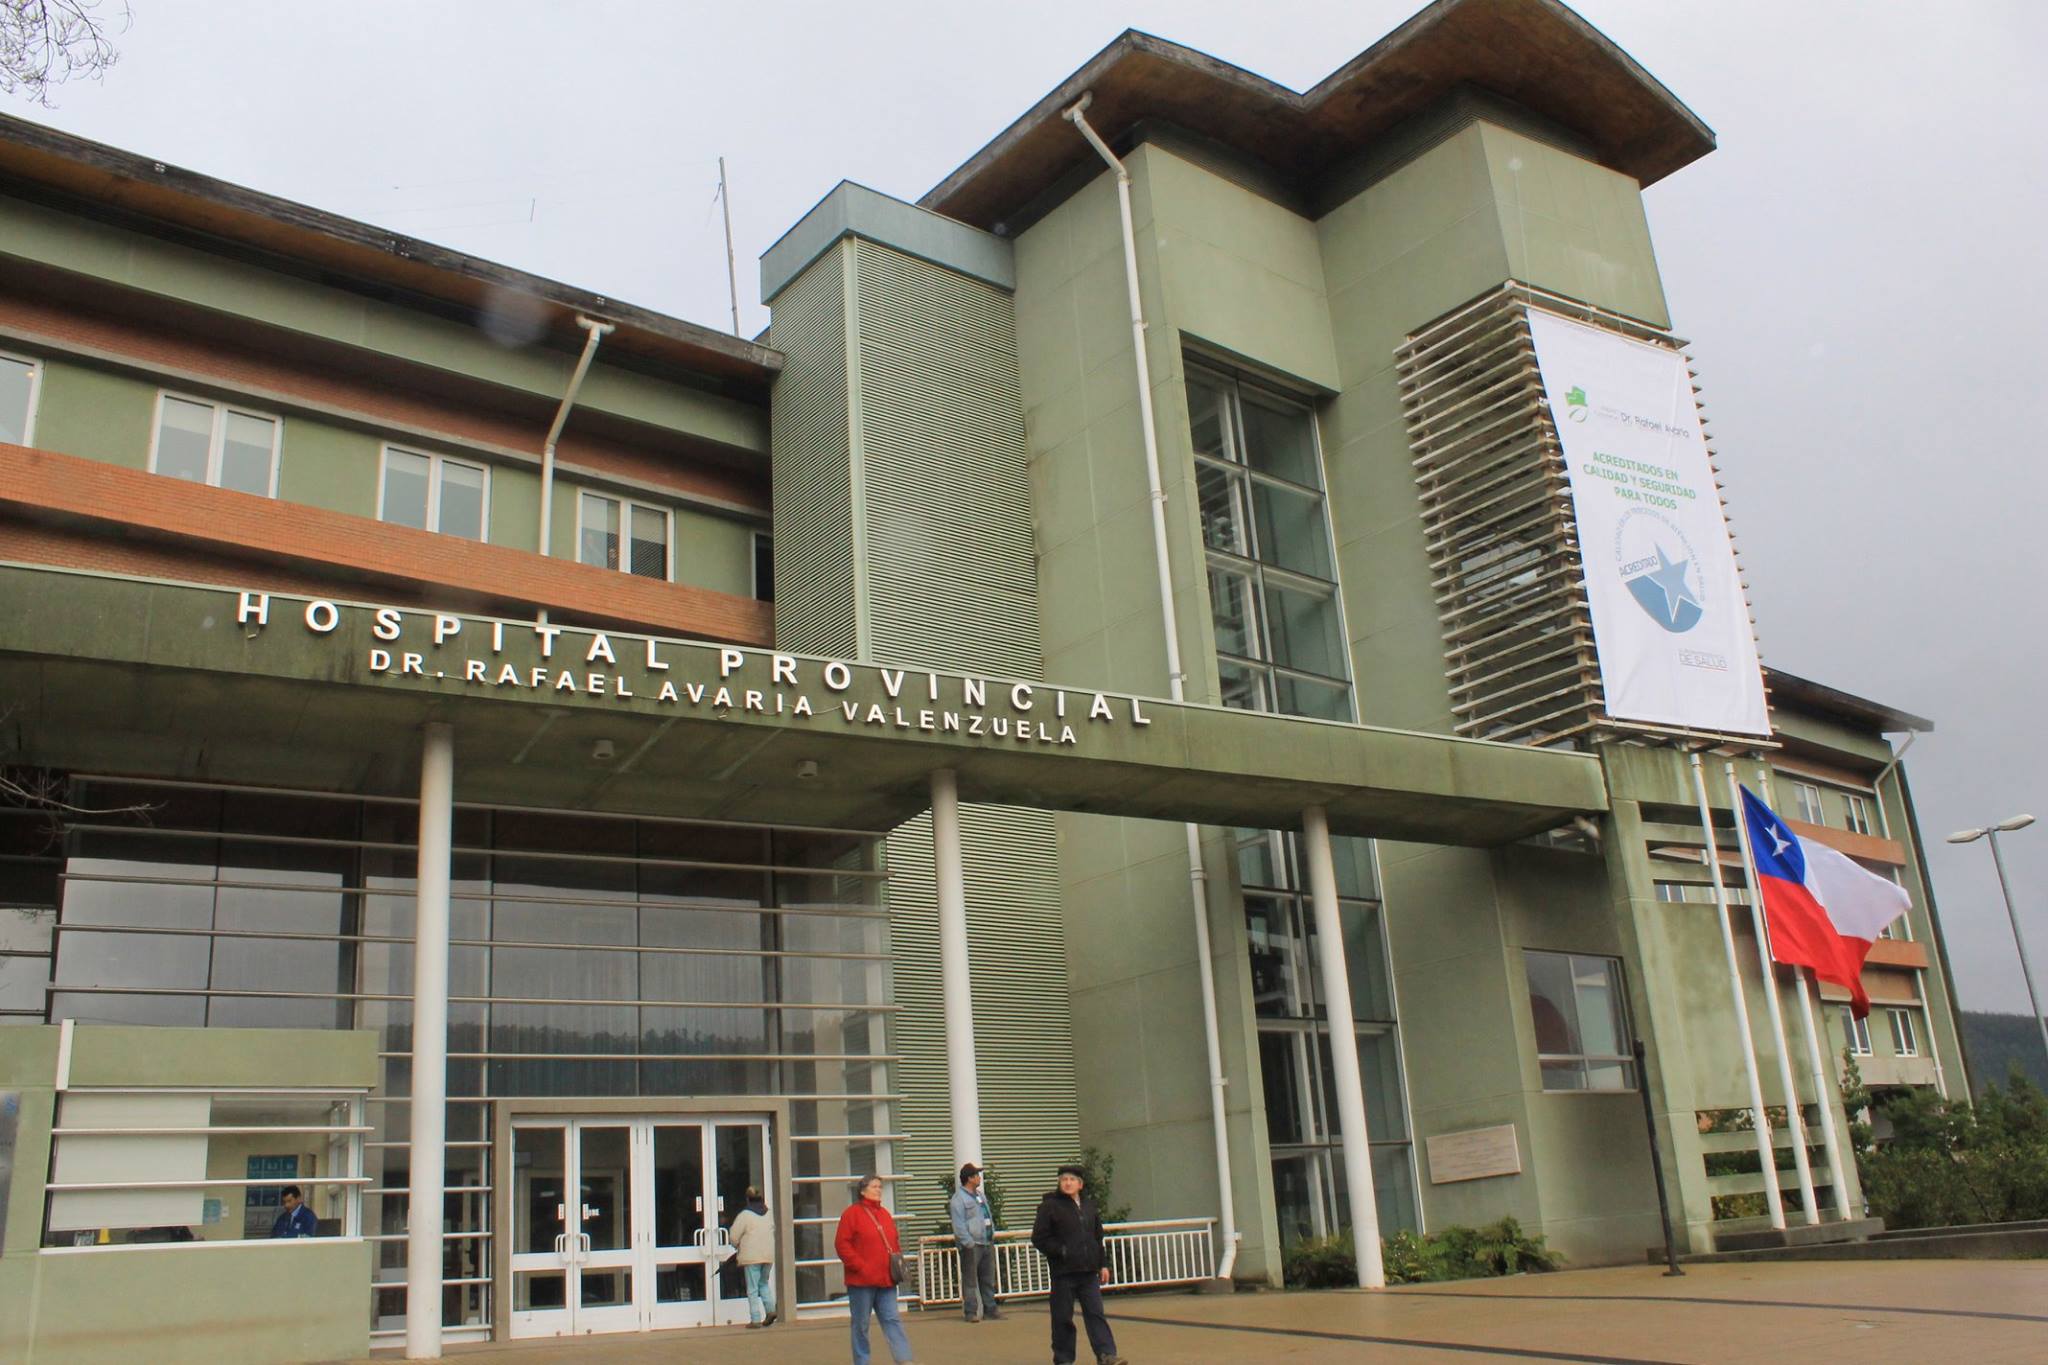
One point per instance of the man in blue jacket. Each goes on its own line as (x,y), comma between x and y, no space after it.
(974,1229)
(297,1220)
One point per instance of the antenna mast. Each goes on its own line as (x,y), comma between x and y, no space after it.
(732,277)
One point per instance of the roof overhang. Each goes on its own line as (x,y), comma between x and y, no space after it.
(122,675)
(98,180)
(1805,694)
(1536,53)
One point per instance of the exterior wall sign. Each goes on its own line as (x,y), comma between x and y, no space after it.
(548,662)
(1670,623)
(1474,1154)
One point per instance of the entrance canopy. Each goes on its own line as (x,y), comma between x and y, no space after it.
(110,674)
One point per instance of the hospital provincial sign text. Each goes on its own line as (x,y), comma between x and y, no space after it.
(541,662)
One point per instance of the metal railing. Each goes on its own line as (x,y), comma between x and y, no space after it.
(1165,1251)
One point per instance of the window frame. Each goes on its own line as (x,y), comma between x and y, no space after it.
(35,392)
(1807,797)
(1856,810)
(1244,558)
(626,505)
(1905,1034)
(217,437)
(348,1134)
(754,540)
(1856,1033)
(435,460)
(1618,984)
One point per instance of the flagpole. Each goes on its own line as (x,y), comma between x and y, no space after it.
(1821,1090)
(1794,1120)
(1765,1149)
(1822,1087)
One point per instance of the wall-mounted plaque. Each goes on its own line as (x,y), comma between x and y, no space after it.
(1474,1154)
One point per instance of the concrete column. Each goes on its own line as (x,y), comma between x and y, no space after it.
(429,1046)
(1350,1097)
(959,991)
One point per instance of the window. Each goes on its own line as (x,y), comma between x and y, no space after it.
(1857,1032)
(1901,928)
(1294,1047)
(1806,800)
(1905,1040)
(764,566)
(201,1166)
(1582,1034)
(614,533)
(1859,813)
(211,443)
(18,386)
(1280,642)
(435,493)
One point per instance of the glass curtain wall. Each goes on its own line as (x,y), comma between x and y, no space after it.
(1281,647)
(590,955)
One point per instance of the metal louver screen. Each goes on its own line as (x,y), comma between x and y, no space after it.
(1502,540)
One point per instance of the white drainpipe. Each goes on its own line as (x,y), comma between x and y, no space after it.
(596,332)
(1176,677)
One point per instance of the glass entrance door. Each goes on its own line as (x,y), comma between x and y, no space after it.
(624,1224)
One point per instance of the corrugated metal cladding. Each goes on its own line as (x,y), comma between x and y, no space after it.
(950,579)
(1023,1031)
(951,568)
(813,478)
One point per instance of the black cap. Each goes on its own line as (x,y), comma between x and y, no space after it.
(968,1172)
(1078,1172)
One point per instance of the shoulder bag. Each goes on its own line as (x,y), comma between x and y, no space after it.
(898,1272)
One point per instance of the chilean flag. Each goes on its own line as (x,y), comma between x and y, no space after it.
(1823,910)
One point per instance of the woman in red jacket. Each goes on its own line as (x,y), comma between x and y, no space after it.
(867,1238)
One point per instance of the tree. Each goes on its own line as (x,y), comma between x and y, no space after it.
(47,42)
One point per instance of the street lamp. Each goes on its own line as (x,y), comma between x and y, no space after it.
(1969,836)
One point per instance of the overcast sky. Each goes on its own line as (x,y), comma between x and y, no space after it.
(1858,266)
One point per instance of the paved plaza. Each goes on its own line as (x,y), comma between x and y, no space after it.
(1965,1312)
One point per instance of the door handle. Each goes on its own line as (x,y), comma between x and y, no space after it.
(582,1247)
(562,1247)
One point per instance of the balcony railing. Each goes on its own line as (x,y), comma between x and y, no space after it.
(1146,1255)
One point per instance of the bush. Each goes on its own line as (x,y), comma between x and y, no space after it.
(1101,1184)
(1322,1263)
(1949,1162)
(1456,1253)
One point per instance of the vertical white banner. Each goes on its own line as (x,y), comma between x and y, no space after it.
(1669,621)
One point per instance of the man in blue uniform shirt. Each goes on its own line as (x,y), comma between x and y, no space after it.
(297,1220)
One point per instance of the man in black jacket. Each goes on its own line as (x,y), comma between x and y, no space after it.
(1068,1233)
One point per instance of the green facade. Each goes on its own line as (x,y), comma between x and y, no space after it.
(959,497)
(902,494)
(1233,277)
(100,406)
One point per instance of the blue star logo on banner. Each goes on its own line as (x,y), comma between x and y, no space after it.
(1666,596)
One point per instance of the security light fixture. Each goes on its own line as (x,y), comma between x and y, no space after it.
(2019,940)
(602,751)
(1970,836)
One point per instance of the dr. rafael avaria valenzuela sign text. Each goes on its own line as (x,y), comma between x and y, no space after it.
(540,662)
